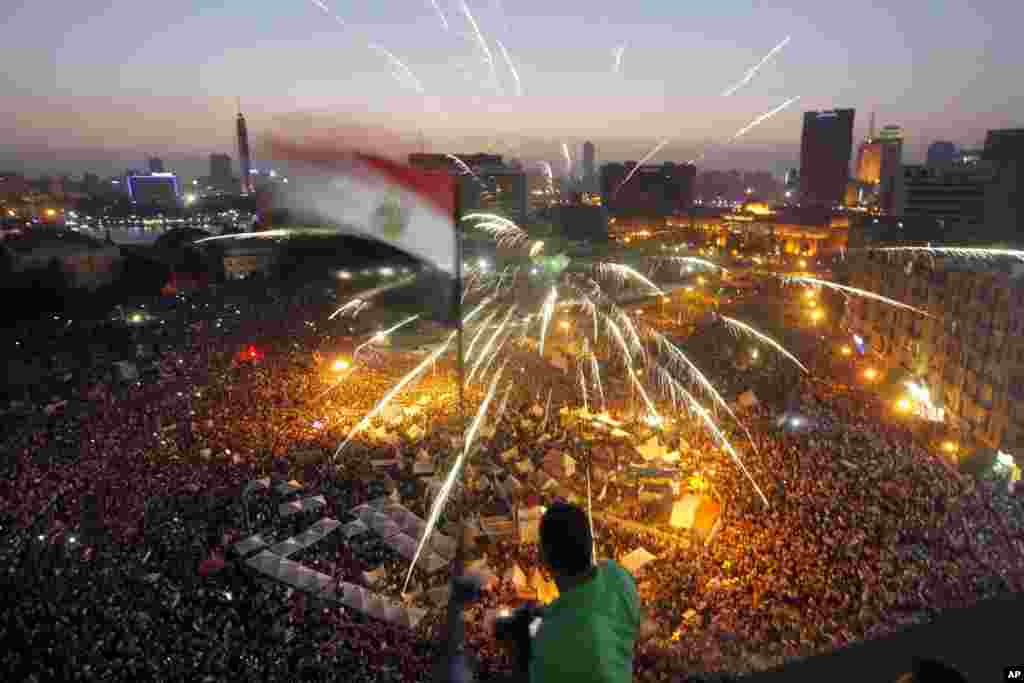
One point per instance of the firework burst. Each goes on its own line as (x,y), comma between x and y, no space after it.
(852,291)
(739,327)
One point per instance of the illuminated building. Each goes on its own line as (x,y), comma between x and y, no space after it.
(826,145)
(155,190)
(970,355)
(952,196)
(243,155)
(879,164)
(654,190)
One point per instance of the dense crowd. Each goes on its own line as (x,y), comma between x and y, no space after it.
(864,531)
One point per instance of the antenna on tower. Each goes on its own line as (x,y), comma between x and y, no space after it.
(239,101)
(871,129)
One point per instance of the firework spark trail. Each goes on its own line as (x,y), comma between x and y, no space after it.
(657,148)
(381,335)
(547,411)
(753,71)
(546,312)
(763,117)
(449,483)
(568,159)
(617,336)
(736,325)
(364,296)
(650,406)
(272,234)
(617,55)
(490,342)
(440,14)
(504,403)
(583,386)
(328,12)
(595,371)
(634,337)
(412,375)
(685,261)
(723,442)
(494,356)
(511,67)
(488,57)
(853,291)
(678,358)
(504,231)
(961,252)
(402,70)
(483,326)
(620,272)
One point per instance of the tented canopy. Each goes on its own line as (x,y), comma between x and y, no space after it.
(637,559)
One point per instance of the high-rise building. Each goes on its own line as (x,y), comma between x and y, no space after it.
(825,149)
(154,190)
(243,155)
(156,165)
(589,170)
(1004,206)
(653,190)
(221,176)
(879,164)
(941,153)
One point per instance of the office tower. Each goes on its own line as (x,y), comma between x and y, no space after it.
(941,153)
(156,165)
(654,190)
(243,155)
(1004,157)
(221,176)
(589,172)
(156,190)
(825,148)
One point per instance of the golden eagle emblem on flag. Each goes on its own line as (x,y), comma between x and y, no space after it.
(391,217)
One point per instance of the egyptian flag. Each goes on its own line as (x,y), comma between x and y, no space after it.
(408,209)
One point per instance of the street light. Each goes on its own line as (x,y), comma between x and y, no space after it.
(845,350)
(949,447)
(870,374)
(340,365)
(903,405)
(817,315)
(754,353)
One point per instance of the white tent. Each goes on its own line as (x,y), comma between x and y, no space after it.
(636,560)
(652,449)
(515,576)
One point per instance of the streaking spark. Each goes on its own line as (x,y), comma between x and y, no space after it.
(511,68)
(449,483)
(657,148)
(753,71)
(853,291)
(763,117)
(738,326)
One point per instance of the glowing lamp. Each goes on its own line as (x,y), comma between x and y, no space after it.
(903,405)
(949,446)
(340,364)
(846,351)
(870,374)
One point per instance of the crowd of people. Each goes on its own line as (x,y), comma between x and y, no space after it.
(122,571)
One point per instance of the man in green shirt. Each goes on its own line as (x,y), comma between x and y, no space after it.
(588,633)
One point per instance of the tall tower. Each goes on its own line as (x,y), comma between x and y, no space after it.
(589,172)
(243,152)
(826,145)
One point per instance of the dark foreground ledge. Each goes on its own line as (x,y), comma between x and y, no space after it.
(979,642)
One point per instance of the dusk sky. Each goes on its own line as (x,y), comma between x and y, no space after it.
(103,84)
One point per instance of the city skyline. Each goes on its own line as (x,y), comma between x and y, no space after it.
(91,100)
